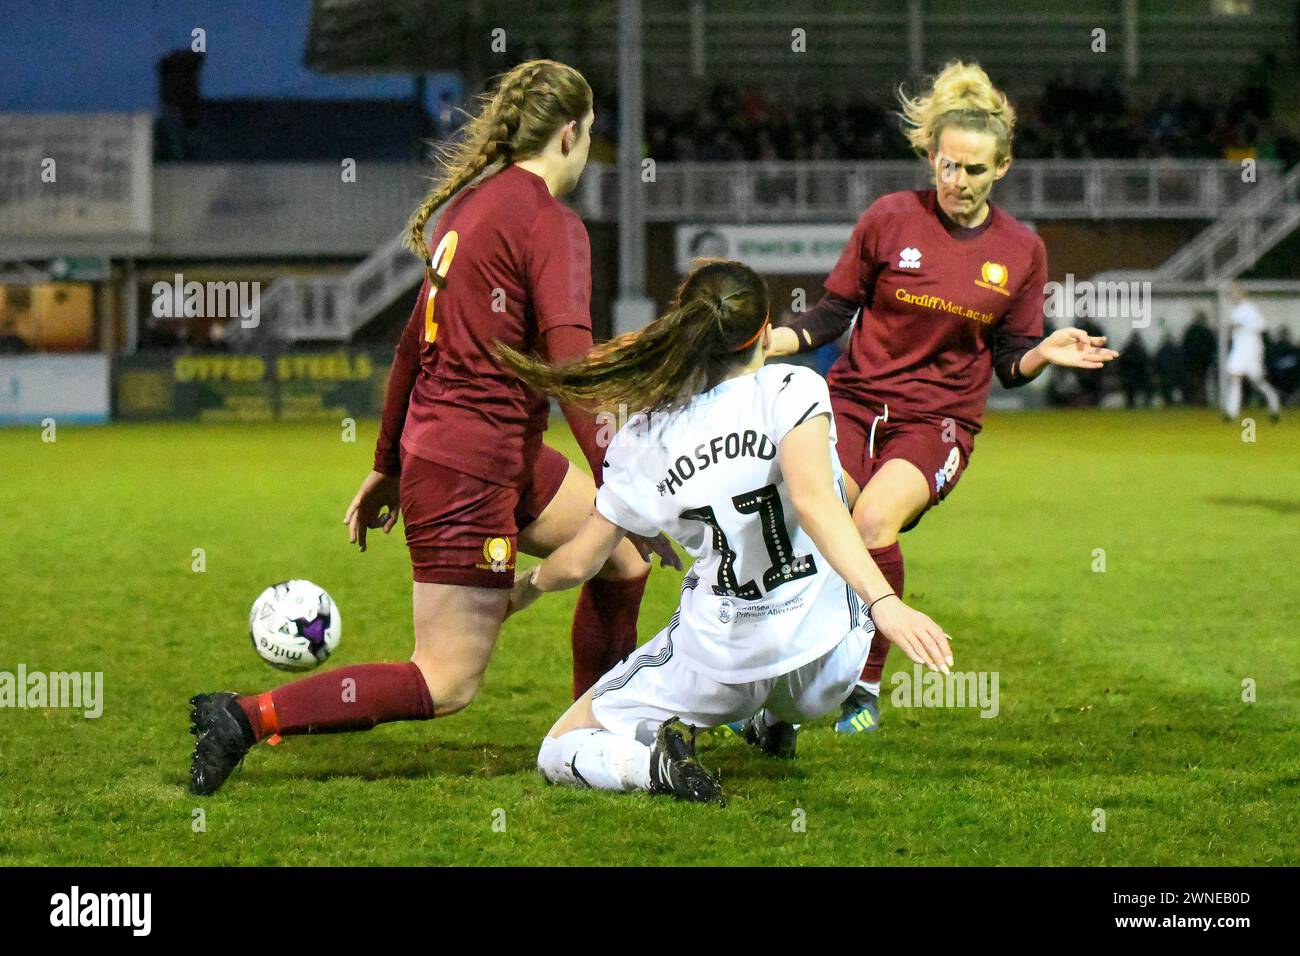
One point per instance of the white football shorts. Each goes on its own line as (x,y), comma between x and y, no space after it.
(653,684)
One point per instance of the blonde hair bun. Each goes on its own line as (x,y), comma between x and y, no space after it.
(960,95)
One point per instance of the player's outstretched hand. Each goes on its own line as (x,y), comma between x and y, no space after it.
(659,545)
(376,505)
(523,593)
(922,640)
(1075,348)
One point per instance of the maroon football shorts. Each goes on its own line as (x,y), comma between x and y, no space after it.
(463,530)
(939,451)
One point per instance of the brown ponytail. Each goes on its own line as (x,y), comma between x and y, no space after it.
(717,317)
(514,121)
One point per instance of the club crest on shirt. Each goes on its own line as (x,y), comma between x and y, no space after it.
(496,552)
(909,258)
(993,275)
(726,610)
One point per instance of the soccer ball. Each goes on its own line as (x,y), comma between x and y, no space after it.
(295,625)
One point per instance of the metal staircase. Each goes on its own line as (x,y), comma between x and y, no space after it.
(1232,243)
(335,307)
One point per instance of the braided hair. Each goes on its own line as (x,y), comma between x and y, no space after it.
(515,120)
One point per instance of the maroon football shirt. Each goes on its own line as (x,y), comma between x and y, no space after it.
(521,267)
(934,298)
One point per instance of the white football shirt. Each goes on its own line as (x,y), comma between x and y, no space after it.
(1247,353)
(759,601)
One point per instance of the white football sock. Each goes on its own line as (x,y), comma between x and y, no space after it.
(593,757)
(871,687)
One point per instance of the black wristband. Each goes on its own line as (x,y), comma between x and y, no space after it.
(879,599)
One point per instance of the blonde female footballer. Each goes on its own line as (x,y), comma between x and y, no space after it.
(950,290)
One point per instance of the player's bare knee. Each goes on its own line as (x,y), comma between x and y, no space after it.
(878,525)
(454,694)
(451,690)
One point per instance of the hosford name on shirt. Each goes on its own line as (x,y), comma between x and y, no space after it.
(746,444)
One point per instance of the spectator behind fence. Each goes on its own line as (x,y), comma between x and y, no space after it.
(1134,368)
(1074,117)
(1200,357)
(1170,372)
(1284,364)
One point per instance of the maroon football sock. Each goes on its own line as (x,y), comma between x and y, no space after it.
(604,628)
(890,562)
(342,699)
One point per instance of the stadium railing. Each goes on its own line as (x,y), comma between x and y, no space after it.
(834,191)
(259,210)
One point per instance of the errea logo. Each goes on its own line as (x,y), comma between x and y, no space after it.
(909,258)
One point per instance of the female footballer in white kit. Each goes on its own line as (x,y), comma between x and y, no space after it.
(735,461)
(1246,356)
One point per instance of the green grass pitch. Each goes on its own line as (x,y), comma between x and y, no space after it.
(1120,690)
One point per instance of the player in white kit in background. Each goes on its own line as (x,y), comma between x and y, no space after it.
(1246,357)
(735,461)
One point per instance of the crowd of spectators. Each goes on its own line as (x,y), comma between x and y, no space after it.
(1072,118)
(1177,371)
(1182,370)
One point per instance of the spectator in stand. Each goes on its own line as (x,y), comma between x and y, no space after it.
(1201,357)
(1075,118)
(1091,387)
(1171,375)
(1134,368)
(1284,364)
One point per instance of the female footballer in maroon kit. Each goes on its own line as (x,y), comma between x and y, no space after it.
(951,290)
(460,451)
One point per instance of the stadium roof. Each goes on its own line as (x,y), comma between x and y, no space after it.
(688,44)
(386,36)
(411,36)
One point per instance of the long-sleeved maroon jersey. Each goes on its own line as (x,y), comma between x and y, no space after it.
(939,304)
(516,264)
